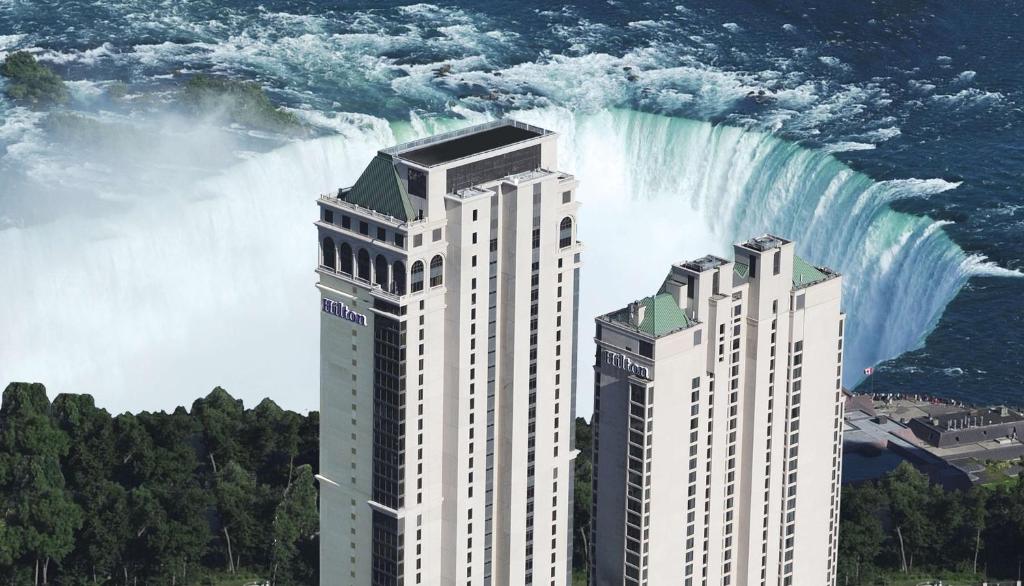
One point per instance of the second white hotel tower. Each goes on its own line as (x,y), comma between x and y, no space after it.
(448,277)
(718,423)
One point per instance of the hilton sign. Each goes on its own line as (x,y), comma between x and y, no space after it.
(624,363)
(341,310)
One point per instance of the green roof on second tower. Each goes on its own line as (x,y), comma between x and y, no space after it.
(805,273)
(380,189)
(662,315)
(658,314)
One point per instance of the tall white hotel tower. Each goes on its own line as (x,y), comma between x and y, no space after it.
(448,275)
(718,422)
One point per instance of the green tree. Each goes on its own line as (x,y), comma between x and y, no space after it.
(1004,531)
(582,492)
(271,439)
(240,102)
(88,468)
(861,534)
(179,538)
(41,517)
(309,441)
(974,523)
(32,83)
(910,504)
(296,527)
(134,457)
(221,418)
(237,496)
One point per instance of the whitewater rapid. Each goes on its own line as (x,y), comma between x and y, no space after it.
(210,282)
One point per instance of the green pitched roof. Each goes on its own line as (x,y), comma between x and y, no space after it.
(380,189)
(805,274)
(662,315)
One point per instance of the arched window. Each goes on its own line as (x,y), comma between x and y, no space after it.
(345,258)
(436,271)
(417,276)
(330,255)
(363,265)
(398,277)
(565,233)
(380,267)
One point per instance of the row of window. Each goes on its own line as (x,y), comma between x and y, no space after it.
(390,277)
(397,238)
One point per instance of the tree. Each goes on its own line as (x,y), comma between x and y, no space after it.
(909,503)
(237,500)
(861,534)
(1004,532)
(271,439)
(41,517)
(976,502)
(296,527)
(239,102)
(179,537)
(583,477)
(32,83)
(88,468)
(220,417)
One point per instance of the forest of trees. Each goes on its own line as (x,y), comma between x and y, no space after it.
(220,495)
(903,524)
(187,497)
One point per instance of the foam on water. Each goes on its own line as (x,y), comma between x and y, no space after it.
(160,278)
(209,281)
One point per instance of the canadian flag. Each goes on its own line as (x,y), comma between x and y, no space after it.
(869,371)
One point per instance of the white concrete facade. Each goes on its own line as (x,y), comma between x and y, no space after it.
(447,412)
(717,426)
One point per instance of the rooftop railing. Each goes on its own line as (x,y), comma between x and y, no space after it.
(333,198)
(438,138)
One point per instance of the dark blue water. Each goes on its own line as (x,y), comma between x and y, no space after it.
(896,90)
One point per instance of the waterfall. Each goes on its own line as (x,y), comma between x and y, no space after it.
(682,188)
(210,281)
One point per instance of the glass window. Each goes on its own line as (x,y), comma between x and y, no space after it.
(345,258)
(565,233)
(417,276)
(417,183)
(470,174)
(436,271)
(398,278)
(380,267)
(329,254)
(646,348)
(363,265)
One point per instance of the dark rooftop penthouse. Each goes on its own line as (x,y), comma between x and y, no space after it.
(766,242)
(452,146)
(705,263)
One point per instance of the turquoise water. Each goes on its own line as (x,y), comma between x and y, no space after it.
(162,255)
